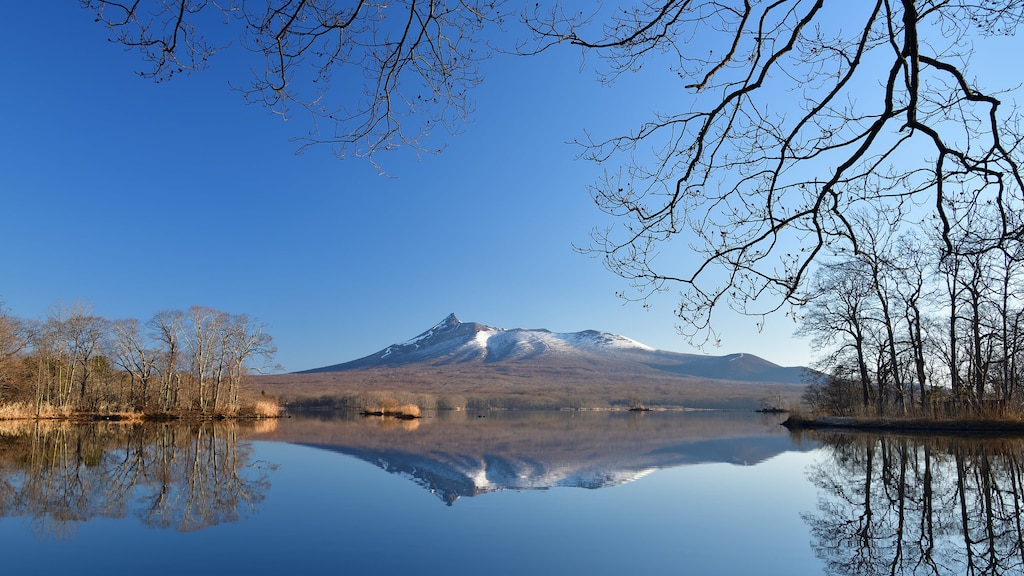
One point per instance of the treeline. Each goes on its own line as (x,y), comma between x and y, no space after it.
(907,325)
(73,361)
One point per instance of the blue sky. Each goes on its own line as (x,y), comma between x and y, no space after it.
(136,197)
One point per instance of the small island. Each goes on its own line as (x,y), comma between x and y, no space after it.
(390,408)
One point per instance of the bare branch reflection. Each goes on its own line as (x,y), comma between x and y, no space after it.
(181,476)
(911,505)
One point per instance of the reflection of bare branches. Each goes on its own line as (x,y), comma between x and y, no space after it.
(171,475)
(204,479)
(930,506)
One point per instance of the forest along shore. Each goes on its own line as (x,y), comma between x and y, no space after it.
(179,364)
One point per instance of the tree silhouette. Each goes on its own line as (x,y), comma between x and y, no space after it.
(793,114)
(370,75)
(797,114)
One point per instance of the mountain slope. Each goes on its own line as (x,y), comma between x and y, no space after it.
(469,344)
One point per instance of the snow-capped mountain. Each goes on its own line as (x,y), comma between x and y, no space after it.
(454,342)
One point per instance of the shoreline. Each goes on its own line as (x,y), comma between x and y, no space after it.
(20,411)
(968,425)
(85,418)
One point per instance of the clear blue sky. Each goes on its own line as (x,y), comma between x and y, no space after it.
(136,197)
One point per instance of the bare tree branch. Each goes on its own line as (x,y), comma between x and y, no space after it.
(370,76)
(802,112)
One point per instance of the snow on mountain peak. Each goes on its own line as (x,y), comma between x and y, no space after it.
(593,338)
(450,321)
(498,343)
(452,341)
(574,354)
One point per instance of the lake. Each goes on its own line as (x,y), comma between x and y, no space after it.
(505,493)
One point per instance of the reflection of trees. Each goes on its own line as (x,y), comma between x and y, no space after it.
(178,476)
(891,505)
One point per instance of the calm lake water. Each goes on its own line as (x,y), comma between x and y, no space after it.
(505,493)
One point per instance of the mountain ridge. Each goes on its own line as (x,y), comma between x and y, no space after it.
(453,342)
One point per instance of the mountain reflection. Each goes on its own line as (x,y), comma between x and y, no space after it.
(898,505)
(181,476)
(460,454)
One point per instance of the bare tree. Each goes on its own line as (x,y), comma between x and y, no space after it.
(371,76)
(12,345)
(166,329)
(248,342)
(978,319)
(64,345)
(914,296)
(203,338)
(802,112)
(1009,290)
(797,114)
(73,361)
(133,353)
(837,314)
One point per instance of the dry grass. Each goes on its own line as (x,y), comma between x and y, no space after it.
(266,409)
(25,411)
(12,411)
(408,410)
(23,426)
(465,386)
(389,406)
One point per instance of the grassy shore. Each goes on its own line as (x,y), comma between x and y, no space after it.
(522,387)
(24,411)
(988,424)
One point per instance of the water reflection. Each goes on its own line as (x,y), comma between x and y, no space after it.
(899,505)
(185,477)
(459,454)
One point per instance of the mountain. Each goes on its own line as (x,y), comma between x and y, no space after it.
(470,344)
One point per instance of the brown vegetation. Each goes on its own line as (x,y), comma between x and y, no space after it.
(266,409)
(73,364)
(948,416)
(905,334)
(514,386)
(907,424)
(558,436)
(390,408)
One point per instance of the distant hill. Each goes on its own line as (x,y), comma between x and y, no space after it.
(469,344)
